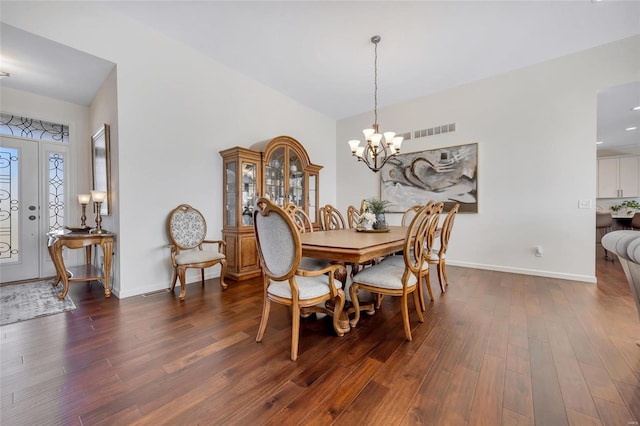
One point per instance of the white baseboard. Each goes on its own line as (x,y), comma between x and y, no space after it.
(153,289)
(523,271)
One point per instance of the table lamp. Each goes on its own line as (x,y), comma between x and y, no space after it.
(83,199)
(98,197)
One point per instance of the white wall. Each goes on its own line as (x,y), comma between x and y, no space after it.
(536,134)
(104,110)
(176,110)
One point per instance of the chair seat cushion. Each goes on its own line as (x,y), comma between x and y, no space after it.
(313,264)
(386,274)
(309,287)
(198,256)
(398,260)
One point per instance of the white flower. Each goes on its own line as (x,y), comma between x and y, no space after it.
(367,217)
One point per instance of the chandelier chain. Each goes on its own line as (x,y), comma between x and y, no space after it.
(375,86)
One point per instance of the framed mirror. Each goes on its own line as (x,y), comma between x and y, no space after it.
(101,167)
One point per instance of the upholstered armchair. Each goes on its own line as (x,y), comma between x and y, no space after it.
(284,281)
(187,229)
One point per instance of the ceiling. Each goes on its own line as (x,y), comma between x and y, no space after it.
(319,52)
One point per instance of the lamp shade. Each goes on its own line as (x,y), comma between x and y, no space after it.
(98,196)
(84,198)
(354,145)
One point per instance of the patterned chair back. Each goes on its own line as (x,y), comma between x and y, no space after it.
(187,227)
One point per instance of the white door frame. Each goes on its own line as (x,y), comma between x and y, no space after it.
(45,148)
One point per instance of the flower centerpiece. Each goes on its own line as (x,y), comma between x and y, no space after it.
(378,208)
(366,220)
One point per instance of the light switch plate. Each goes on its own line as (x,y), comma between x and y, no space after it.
(584,204)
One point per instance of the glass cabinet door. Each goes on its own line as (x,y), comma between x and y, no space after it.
(230,194)
(274,177)
(296,180)
(313,208)
(249,192)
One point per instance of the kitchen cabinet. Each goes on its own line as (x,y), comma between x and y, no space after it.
(619,177)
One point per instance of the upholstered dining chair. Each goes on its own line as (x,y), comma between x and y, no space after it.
(303,224)
(604,225)
(331,218)
(284,282)
(635,221)
(353,216)
(431,211)
(392,279)
(439,253)
(187,230)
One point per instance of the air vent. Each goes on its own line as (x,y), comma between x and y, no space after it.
(445,128)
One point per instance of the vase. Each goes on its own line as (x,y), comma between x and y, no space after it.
(381,221)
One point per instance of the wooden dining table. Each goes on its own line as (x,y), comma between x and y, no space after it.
(349,246)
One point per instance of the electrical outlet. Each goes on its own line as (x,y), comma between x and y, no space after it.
(584,204)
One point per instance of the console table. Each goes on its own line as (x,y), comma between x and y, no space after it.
(86,272)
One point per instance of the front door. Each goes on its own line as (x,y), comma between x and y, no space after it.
(19,210)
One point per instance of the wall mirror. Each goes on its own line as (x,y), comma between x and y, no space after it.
(100,166)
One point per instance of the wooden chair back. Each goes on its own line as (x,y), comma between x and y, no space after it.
(353,216)
(332,218)
(300,218)
(408,216)
(447,226)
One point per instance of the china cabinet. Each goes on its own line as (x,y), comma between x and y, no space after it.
(279,169)
(241,179)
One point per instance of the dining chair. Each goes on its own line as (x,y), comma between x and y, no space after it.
(187,229)
(303,224)
(353,216)
(408,215)
(439,253)
(331,218)
(284,282)
(432,211)
(604,224)
(635,221)
(391,279)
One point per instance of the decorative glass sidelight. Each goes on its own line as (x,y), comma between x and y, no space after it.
(55,184)
(9,205)
(30,128)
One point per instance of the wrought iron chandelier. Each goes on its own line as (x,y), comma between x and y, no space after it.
(376,151)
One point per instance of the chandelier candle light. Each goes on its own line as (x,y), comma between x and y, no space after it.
(98,198)
(376,152)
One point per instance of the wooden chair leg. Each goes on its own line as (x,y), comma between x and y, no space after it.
(379,298)
(416,301)
(444,276)
(202,276)
(428,283)
(405,318)
(353,291)
(337,313)
(174,279)
(223,271)
(420,293)
(295,331)
(266,308)
(183,282)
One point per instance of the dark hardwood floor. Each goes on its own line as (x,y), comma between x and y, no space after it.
(496,349)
